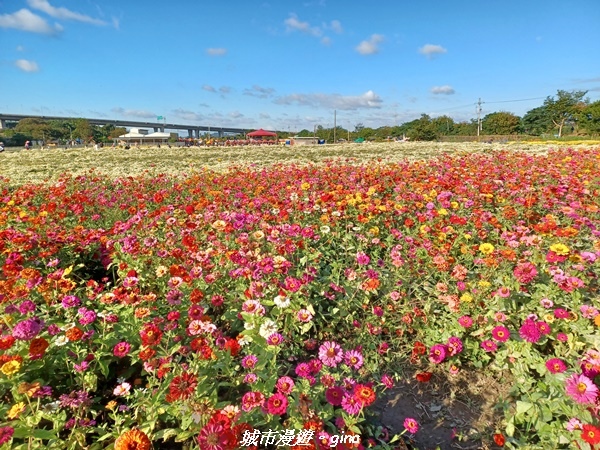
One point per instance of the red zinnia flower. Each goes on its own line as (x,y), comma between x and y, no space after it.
(183,386)
(424,377)
(591,434)
(364,394)
(150,334)
(499,439)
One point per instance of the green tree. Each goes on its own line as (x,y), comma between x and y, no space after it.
(565,108)
(84,130)
(444,125)
(422,129)
(536,121)
(590,118)
(501,123)
(34,128)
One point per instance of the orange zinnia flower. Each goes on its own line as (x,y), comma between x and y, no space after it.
(74,334)
(133,440)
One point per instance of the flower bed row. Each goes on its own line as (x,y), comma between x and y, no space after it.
(204,309)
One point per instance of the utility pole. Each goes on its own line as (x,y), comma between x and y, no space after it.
(479,117)
(334,125)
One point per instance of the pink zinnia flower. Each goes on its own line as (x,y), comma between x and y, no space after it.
(285,385)
(503,292)
(581,389)
(501,334)
(353,359)
(277,404)
(556,365)
(411,425)
(489,346)
(251,400)
(546,303)
(249,361)
(330,353)
(465,321)
(275,339)
(350,404)
(387,381)
(525,272)
(304,315)
(561,313)
(437,353)
(562,337)
(121,349)
(362,259)
(574,424)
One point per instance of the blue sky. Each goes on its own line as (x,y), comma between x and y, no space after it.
(289,65)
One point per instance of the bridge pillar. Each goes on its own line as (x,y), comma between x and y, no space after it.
(156,129)
(2,124)
(191,133)
(221,134)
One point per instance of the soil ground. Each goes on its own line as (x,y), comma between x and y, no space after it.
(454,411)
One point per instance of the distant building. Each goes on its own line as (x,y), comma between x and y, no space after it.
(144,138)
(296,140)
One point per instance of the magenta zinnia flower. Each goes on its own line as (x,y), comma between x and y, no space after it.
(454,346)
(330,353)
(249,361)
(501,334)
(411,425)
(556,365)
(6,434)
(437,354)
(277,404)
(334,395)
(529,331)
(581,389)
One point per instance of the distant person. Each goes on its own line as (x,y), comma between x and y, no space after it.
(27,145)
(1,147)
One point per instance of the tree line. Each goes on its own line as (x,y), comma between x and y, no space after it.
(566,113)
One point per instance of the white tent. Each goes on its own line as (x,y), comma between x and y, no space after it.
(142,136)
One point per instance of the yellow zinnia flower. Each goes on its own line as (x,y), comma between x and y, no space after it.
(16,410)
(466,298)
(9,368)
(560,249)
(486,248)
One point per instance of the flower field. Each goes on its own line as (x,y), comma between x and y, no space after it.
(209,304)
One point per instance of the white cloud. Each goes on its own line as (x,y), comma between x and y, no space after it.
(333,101)
(224,89)
(445,90)
(188,115)
(294,24)
(63,13)
(326,40)
(20,48)
(208,88)
(216,51)
(25,20)
(26,65)
(431,50)
(258,91)
(370,46)
(141,114)
(235,115)
(336,26)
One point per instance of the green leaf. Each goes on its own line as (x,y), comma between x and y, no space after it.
(523,407)
(43,434)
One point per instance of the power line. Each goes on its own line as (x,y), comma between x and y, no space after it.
(519,100)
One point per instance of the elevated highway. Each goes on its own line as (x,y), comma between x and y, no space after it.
(192,130)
